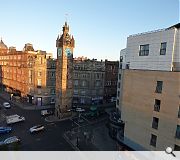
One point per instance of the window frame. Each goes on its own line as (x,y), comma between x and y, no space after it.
(155,124)
(153,140)
(143,50)
(156,106)
(159,86)
(162,49)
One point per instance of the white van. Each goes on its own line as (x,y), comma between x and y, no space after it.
(14,119)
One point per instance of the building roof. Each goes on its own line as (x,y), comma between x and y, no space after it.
(159,30)
(2,45)
(175,26)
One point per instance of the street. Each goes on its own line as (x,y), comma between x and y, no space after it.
(58,135)
(50,139)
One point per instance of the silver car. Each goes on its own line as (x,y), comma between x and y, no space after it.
(36,128)
(6,105)
(13,139)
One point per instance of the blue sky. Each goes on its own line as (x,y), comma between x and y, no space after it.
(100,27)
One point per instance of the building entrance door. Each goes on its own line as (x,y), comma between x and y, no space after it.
(39,101)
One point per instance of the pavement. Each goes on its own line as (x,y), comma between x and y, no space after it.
(92,136)
(23,105)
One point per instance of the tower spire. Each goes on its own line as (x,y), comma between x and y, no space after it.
(66,18)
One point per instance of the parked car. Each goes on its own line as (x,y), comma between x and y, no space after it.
(14,119)
(11,140)
(46,112)
(36,128)
(6,105)
(5,130)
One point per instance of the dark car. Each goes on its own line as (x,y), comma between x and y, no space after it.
(5,130)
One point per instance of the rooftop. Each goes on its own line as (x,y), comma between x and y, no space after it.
(159,30)
(2,45)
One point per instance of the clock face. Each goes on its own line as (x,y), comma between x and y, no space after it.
(59,51)
(68,52)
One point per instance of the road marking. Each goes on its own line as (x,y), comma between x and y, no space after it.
(51,124)
(85,119)
(38,139)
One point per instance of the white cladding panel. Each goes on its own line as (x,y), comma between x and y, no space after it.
(123,54)
(177,46)
(154,61)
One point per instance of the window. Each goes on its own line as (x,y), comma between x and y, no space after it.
(163,48)
(40,60)
(155,123)
(127,66)
(75,75)
(30,80)
(118,93)
(159,86)
(52,91)
(83,92)
(97,75)
(53,74)
(179,112)
(98,83)
(53,65)
(52,100)
(157,105)
(176,148)
(117,101)
(75,82)
(75,92)
(120,66)
(119,76)
(144,50)
(119,84)
(39,82)
(178,132)
(121,58)
(153,140)
(83,83)
(39,73)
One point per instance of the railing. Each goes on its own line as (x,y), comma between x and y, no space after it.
(154,31)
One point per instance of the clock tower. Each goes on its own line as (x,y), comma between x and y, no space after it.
(64,73)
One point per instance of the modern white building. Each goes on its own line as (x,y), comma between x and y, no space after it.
(155,50)
(149,91)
